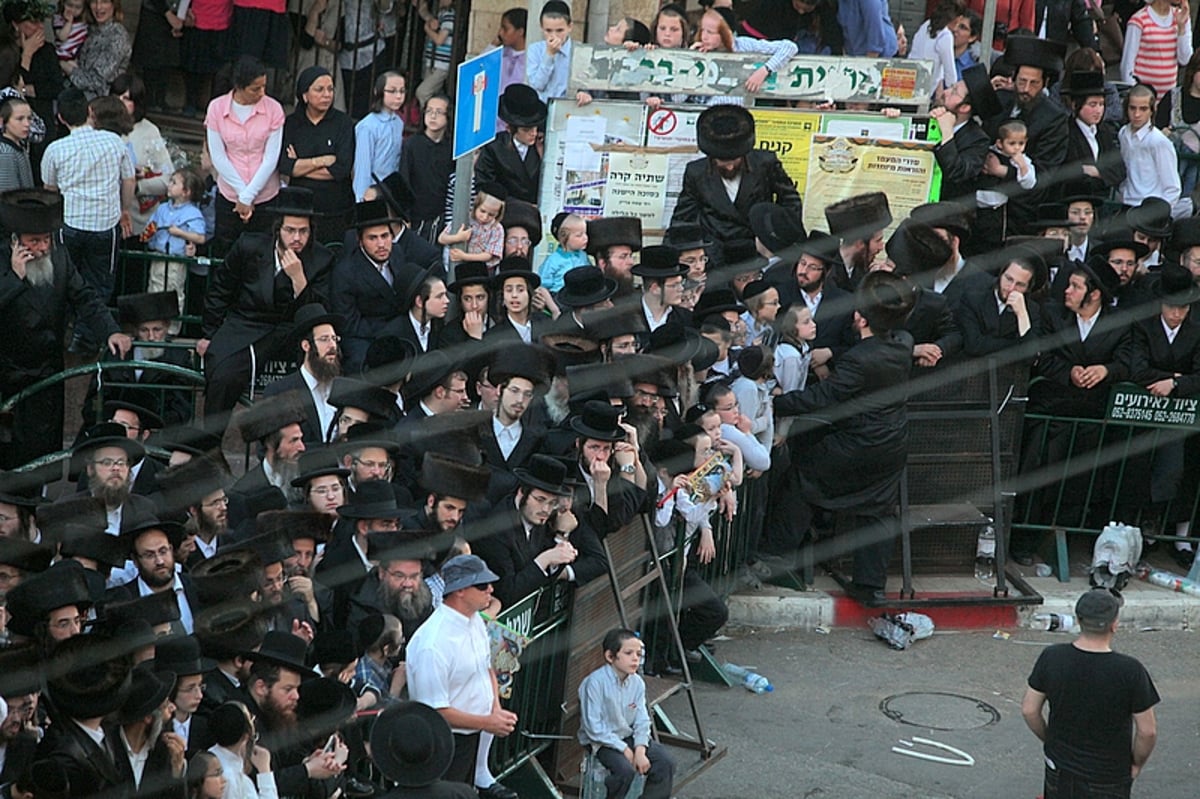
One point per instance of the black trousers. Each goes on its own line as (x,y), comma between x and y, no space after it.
(462,767)
(702,612)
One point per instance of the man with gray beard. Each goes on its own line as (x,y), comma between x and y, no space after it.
(156,758)
(397,585)
(39,290)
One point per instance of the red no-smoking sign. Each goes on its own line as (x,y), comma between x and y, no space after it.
(662,122)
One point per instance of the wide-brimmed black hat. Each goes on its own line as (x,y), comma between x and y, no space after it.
(21,489)
(271,546)
(325,703)
(388,360)
(370,434)
(151,610)
(375,499)
(529,361)
(1186,234)
(613,231)
(180,655)
(31,211)
(1052,215)
(980,93)
(515,266)
(270,415)
(469,273)
(598,420)
(687,236)
(822,246)
(282,649)
(1102,275)
(309,316)
(955,217)
(544,472)
(81,511)
(171,529)
(1083,84)
(88,678)
(319,462)
(450,477)
(398,194)
(678,344)
(1151,217)
(717,300)
(231,574)
(148,690)
(584,286)
(61,585)
(372,213)
(134,309)
(332,646)
(1117,238)
(518,213)
(190,482)
(569,349)
(428,371)
(725,131)
(858,217)
(230,629)
(1175,285)
(777,228)
(412,744)
(520,107)
(23,554)
(1030,51)
(106,434)
(93,543)
(660,262)
(191,440)
(138,401)
(379,403)
(21,669)
(292,201)
(916,248)
(607,325)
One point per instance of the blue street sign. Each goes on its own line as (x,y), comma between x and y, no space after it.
(477,95)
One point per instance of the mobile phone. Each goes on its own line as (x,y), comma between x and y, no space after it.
(331,744)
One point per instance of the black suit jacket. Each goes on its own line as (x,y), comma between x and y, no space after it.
(176,406)
(502,480)
(1064,14)
(1048,133)
(311,426)
(19,753)
(500,162)
(368,304)
(984,329)
(1155,358)
(1079,154)
(91,770)
(704,200)
(1110,343)
(961,159)
(341,570)
(247,301)
(932,322)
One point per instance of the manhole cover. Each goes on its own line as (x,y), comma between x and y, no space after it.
(938,710)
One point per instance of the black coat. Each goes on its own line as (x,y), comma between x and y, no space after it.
(984,329)
(502,480)
(411,249)
(371,308)
(18,754)
(1154,358)
(834,316)
(176,406)
(932,322)
(247,302)
(961,159)
(341,570)
(1079,154)
(858,461)
(703,199)
(1110,343)
(1048,133)
(92,770)
(217,691)
(311,426)
(1063,14)
(500,162)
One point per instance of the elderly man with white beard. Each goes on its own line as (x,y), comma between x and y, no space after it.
(39,289)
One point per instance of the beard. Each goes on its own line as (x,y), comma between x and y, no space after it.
(406,605)
(208,528)
(325,369)
(156,729)
(277,717)
(113,494)
(40,271)
(154,580)
(148,353)
(556,408)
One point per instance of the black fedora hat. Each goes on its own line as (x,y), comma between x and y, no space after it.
(678,344)
(515,266)
(525,360)
(469,273)
(319,462)
(1052,215)
(229,629)
(1083,84)
(544,472)
(282,649)
(134,309)
(190,482)
(980,93)
(398,194)
(520,107)
(717,300)
(385,546)
(687,236)
(1175,285)
(20,489)
(173,530)
(93,543)
(311,315)
(450,477)
(138,401)
(60,586)
(660,262)
(725,131)
(87,679)
(1102,275)
(428,371)
(375,499)
(180,655)
(325,703)
(1118,238)
(607,325)
(372,213)
(106,434)
(388,360)
(598,420)
(777,228)
(1151,217)
(378,403)
(270,415)
(1186,234)
(412,744)
(518,213)
(31,211)
(23,554)
(822,246)
(21,667)
(191,440)
(369,434)
(958,218)
(584,286)
(292,201)
(332,646)
(613,231)
(148,690)
(153,609)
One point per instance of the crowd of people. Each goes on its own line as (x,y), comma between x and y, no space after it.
(462,417)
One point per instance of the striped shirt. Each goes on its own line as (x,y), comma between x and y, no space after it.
(1157,56)
(87,168)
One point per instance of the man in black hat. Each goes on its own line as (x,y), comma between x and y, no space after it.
(197,488)
(858,224)
(39,289)
(914,250)
(226,635)
(147,318)
(49,607)
(368,453)
(396,586)
(130,408)
(316,332)
(373,284)
(610,464)
(1151,224)
(413,746)
(586,291)
(253,298)
(451,483)
(275,425)
(472,287)
(1102,727)
(437,387)
(401,200)
(1081,218)
(514,158)
(996,315)
(834,474)
(964,143)
(357,402)
(719,189)
(152,547)
(809,282)
(1093,164)
(662,287)
(20,687)
(612,241)
(20,496)
(1038,64)
(507,440)
(1185,245)
(952,221)
(157,757)
(1124,254)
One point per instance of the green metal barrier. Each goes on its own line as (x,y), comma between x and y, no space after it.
(134,270)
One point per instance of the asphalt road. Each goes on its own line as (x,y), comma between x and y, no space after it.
(822,732)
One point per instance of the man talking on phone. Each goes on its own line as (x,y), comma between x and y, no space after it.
(255,293)
(39,289)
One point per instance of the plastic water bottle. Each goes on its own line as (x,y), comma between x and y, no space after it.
(985,554)
(594,774)
(636,787)
(1053,622)
(751,680)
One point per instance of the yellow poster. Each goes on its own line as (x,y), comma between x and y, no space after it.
(788,134)
(840,167)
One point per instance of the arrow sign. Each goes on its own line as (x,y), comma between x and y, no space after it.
(477,102)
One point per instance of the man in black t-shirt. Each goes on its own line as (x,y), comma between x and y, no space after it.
(1091,749)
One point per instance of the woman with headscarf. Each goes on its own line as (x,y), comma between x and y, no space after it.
(318,152)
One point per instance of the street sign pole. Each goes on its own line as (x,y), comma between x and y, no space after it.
(477,101)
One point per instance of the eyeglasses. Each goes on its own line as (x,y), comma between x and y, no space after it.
(519,241)
(216,503)
(403,577)
(373,464)
(126,425)
(327,339)
(436,112)
(395,91)
(732,407)
(109,463)
(546,502)
(162,553)
(324,491)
